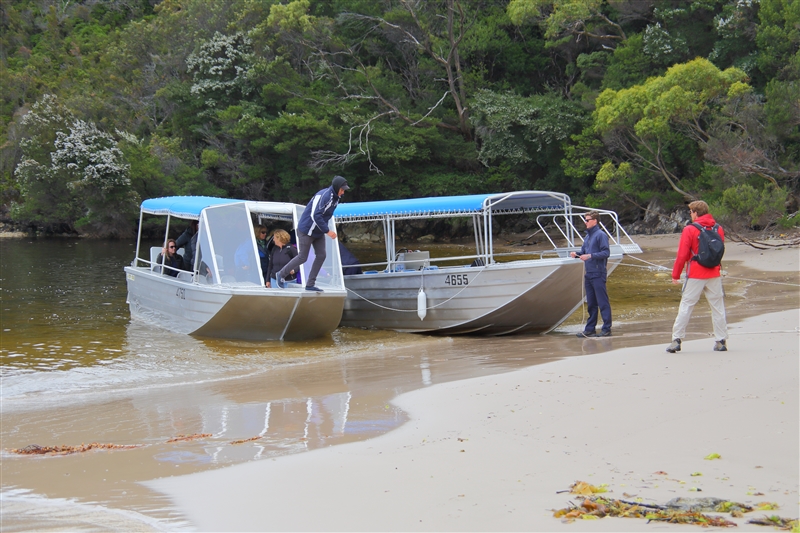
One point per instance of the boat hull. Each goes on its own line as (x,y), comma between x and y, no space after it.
(230,312)
(503,298)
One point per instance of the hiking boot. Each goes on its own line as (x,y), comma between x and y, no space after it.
(586,334)
(720,346)
(604,334)
(313,288)
(675,346)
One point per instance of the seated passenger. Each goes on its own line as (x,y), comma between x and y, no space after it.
(170,259)
(349,261)
(282,252)
(263,245)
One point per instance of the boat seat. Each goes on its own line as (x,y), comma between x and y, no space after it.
(154,251)
(185,276)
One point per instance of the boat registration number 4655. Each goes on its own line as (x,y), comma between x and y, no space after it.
(456,279)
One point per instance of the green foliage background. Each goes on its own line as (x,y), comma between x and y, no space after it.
(621,104)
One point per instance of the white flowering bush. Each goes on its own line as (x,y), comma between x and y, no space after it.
(221,68)
(91,158)
(661,45)
(45,198)
(70,171)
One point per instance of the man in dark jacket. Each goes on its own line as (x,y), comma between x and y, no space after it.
(188,241)
(311,231)
(594,253)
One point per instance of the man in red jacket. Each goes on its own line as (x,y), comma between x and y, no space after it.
(699,280)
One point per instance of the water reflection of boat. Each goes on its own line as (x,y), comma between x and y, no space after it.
(218,297)
(488,292)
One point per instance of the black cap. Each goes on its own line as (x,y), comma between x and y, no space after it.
(339,183)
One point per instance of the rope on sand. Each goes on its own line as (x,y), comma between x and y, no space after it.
(726,277)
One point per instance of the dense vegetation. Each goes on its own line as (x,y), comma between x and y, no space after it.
(635,105)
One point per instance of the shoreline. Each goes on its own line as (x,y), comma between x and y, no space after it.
(491,453)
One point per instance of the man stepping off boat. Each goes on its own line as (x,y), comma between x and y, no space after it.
(311,231)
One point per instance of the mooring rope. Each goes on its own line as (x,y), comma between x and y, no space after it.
(422,281)
(725,276)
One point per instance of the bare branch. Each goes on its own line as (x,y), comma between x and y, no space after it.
(431,109)
(322,158)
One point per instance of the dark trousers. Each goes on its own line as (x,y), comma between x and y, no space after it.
(304,245)
(597,298)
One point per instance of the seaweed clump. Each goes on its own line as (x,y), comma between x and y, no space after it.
(35,449)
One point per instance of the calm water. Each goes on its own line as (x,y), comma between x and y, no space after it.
(75,369)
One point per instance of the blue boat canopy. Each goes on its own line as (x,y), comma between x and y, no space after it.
(446,206)
(188,207)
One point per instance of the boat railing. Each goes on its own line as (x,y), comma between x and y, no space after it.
(397,266)
(565,226)
(158,268)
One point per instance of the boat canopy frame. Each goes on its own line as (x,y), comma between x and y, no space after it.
(196,208)
(553,207)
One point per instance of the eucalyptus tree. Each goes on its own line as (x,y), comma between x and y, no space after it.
(697,130)
(656,130)
(406,65)
(526,134)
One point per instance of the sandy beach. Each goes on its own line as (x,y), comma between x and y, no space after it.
(497,452)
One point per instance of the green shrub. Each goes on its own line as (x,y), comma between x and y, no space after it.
(758,208)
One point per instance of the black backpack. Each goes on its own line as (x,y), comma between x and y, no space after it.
(710,248)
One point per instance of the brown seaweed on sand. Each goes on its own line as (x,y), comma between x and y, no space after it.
(598,507)
(35,449)
(193,436)
(245,440)
(776,521)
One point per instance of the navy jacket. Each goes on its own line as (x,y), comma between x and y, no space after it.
(314,220)
(188,241)
(596,243)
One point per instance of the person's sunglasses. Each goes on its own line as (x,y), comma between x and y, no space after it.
(587,219)
(171,247)
(263,232)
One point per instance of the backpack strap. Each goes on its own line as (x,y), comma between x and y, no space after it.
(694,257)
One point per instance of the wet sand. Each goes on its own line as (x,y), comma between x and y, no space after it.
(492,453)
(345,401)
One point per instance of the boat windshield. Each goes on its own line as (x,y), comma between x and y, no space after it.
(227,248)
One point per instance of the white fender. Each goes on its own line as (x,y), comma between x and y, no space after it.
(422,304)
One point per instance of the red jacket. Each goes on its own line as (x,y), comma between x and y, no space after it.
(688,249)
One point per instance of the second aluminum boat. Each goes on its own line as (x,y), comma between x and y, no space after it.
(488,292)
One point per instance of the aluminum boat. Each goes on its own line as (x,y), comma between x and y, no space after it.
(218,297)
(487,292)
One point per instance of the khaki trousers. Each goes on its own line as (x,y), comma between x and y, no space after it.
(692,290)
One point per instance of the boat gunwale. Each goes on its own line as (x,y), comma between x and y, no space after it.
(239,290)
